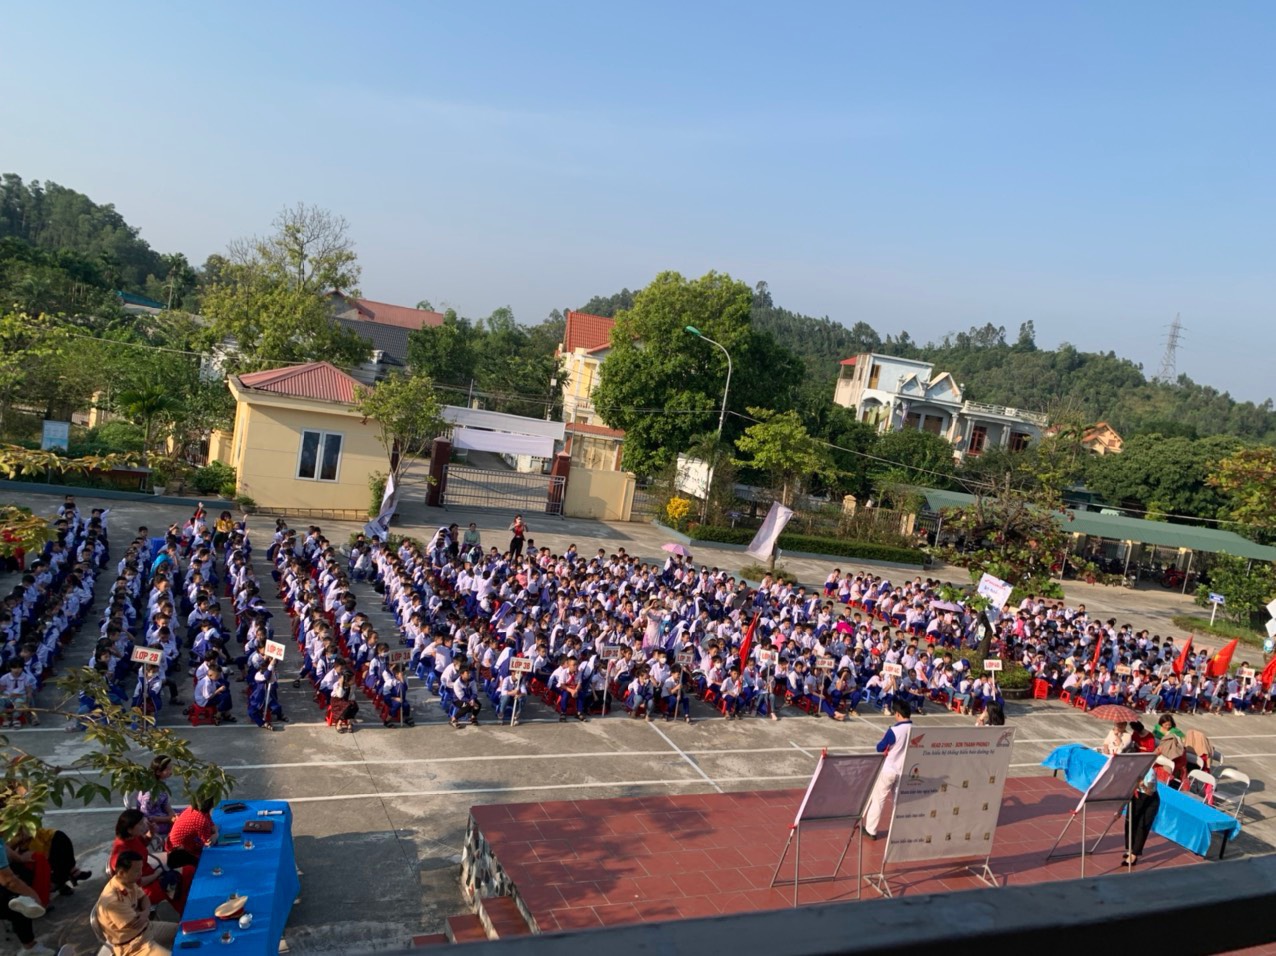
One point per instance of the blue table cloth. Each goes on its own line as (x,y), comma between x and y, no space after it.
(266,874)
(1182,819)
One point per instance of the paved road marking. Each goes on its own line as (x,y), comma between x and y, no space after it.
(803,750)
(683,754)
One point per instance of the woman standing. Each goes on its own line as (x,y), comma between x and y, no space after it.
(518,532)
(1138,824)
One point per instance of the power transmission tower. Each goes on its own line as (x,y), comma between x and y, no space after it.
(1169,360)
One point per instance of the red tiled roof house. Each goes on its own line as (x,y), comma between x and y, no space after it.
(586,342)
(298,441)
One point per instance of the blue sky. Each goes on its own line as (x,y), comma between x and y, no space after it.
(1093,167)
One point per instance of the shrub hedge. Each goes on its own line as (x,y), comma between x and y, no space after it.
(835,547)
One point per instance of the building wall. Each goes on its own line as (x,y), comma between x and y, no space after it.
(595,451)
(602,495)
(267,444)
(580,378)
(221,446)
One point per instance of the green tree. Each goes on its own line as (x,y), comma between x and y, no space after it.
(664,387)
(1247,585)
(121,744)
(263,320)
(152,406)
(911,457)
(1012,534)
(1163,475)
(779,446)
(446,353)
(406,413)
(1248,478)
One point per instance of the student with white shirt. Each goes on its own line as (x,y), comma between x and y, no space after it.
(895,745)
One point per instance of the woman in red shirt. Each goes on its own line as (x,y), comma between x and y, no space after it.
(132,832)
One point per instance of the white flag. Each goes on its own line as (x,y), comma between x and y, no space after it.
(763,542)
(379,527)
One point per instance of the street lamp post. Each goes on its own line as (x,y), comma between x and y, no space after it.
(722,414)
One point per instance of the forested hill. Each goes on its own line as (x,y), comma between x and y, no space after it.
(1098,386)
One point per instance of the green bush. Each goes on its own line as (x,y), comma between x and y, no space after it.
(227,490)
(834,547)
(376,484)
(1013,676)
(209,479)
(109,438)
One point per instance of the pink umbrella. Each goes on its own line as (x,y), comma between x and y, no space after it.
(677,549)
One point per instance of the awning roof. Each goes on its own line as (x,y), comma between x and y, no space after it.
(1122,528)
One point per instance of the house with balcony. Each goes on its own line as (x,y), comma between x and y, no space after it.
(894,394)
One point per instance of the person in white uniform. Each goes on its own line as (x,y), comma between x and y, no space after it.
(895,745)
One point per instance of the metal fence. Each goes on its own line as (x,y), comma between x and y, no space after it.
(503,490)
(647,497)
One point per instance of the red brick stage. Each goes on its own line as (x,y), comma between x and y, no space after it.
(587,863)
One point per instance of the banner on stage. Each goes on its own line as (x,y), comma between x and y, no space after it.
(840,787)
(995,590)
(274,650)
(147,655)
(763,542)
(949,795)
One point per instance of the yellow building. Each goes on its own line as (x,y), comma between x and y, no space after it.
(586,342)
(299,443)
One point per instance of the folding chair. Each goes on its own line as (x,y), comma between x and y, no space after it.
(1206,781)
(1232,795)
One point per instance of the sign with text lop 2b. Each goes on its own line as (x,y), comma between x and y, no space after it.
(274,650)
(949,795)
(147,655)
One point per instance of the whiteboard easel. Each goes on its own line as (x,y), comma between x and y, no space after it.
(835,797)
(1114,785)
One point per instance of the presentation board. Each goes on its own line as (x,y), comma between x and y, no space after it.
(840,787)
(949,795)
(1118,778)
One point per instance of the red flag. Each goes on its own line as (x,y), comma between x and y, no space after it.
(1269,673)
(1181,664)
(1219,662)
(1098,647)
(748,641)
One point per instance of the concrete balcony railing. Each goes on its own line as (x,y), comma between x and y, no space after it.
(975,409)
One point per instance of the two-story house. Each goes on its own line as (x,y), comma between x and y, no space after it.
(586,342)
(893,394)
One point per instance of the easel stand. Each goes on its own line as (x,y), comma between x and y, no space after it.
(982,872)
(795,840)
(1123,808)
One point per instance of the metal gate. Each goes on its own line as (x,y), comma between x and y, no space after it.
(466,487)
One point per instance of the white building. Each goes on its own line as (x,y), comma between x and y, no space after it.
(896,393)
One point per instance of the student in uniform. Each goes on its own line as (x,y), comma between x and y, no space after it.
(465,700)
(263,701)
(394,691)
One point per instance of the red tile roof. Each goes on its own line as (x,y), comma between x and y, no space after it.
(601,430)
(849,361)
(321,381)
(405,317)
(585,331)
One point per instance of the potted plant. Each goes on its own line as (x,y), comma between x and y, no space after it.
(159,479)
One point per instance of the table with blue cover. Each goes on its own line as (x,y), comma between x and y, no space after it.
(266,874)
(1182,819)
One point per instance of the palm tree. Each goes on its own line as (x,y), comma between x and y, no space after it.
(149,405)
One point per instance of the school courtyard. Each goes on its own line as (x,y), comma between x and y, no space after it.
(380,815)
